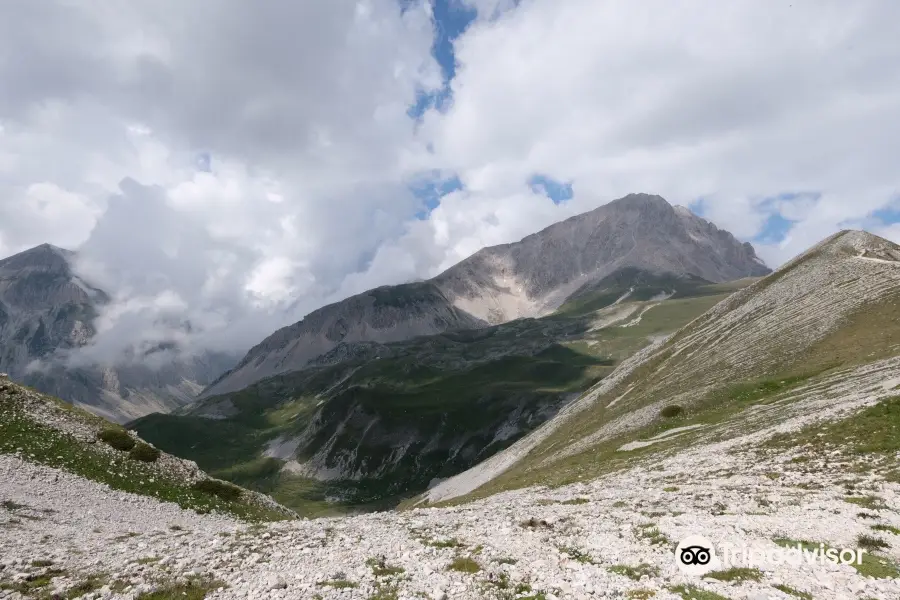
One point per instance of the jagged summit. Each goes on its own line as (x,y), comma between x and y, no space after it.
(529,278)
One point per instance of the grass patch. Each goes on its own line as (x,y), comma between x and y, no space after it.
(448,543)
(464,564)
(736,574)
(870,502)
(640,594)
(339,584)
(385,591)
(575,501)
(870,542)
(886,528)
(576,554)
(380,568)
(41,563)
(192,590)
(649,532)
(90,584)
(635,573)
(692,592)
(793,592)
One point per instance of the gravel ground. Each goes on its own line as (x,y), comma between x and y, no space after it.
(560,542)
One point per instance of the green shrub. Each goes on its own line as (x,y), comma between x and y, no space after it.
(144,452)
(117,438)
(671,411)
(222,489)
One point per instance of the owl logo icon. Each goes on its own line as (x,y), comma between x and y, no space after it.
(695,555)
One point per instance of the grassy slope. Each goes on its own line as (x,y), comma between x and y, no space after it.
(868,333)
(24,434)
(444,387)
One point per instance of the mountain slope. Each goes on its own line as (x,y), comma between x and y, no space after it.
(46,431)
(369,422)
(826,318)
(46,309)
(530,278)
(385,314)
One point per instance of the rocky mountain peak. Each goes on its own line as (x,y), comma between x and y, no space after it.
(529,278)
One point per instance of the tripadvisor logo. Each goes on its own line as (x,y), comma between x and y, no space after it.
(695,555)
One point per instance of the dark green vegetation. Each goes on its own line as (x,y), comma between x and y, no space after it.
(117,438)
(144,452)
(393,417)
(22,433)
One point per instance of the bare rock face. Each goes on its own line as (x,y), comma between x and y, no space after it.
(46,308)
(529,278)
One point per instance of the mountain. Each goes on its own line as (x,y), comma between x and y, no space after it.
(530,278)
(46,310)
(368,423)
(820,335)
(770,424)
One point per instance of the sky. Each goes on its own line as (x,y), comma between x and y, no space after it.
(234,165)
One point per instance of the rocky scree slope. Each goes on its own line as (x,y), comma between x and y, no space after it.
(43,430)
(529,278)
(810,477)
(379,422)
(46,310)
(833,309)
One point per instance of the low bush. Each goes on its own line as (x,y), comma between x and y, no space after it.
(143,452)
(671,411)
(116,438)
(225,491)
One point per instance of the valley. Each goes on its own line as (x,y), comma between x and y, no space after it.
(389,419)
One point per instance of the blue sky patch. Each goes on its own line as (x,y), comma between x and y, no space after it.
(775,229)
(431,190)
(451,19)
(890,214)
(557,191)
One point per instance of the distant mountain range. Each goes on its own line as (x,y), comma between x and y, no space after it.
(530,278)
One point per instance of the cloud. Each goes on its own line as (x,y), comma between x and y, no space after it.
(225,167)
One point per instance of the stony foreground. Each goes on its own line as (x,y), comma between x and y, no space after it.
(611,538)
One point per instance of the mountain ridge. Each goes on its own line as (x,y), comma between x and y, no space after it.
(847,276)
